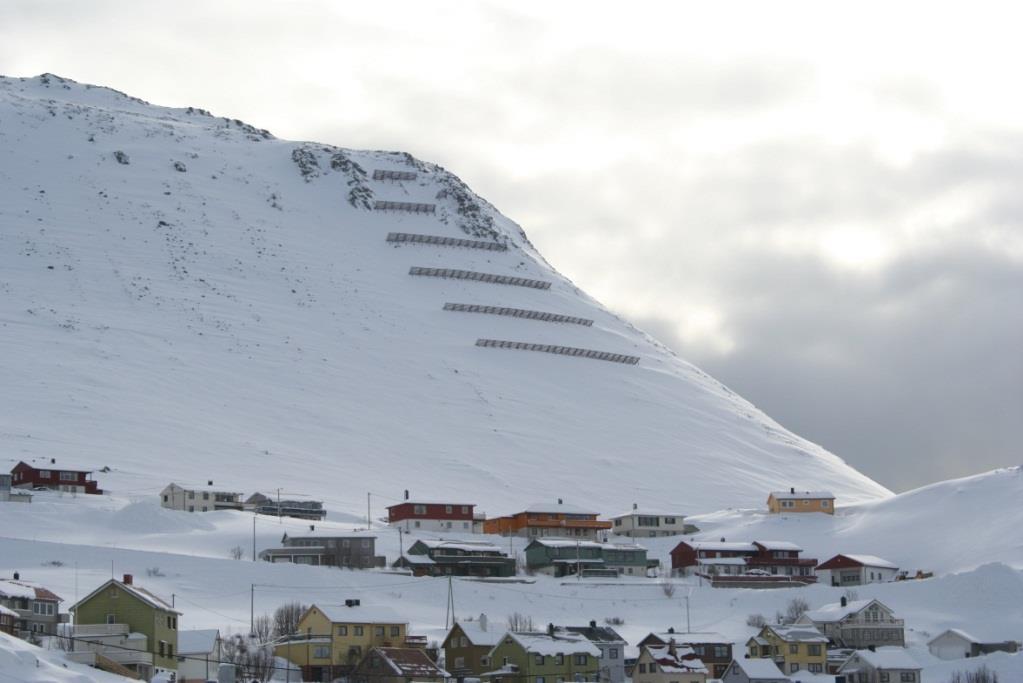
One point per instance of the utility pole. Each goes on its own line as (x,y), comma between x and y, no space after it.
(280,519)
(401,544)
(578,562)
(254,536)
(367,511)
(688,593)
(252,610)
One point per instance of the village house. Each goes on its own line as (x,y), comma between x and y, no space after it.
(331,640)
(668,664)
(326,548)
(543,658)
(785,502)
(175,497)
(857,624)
(793,647)
(753,671)
(397,665)
(957,644)
(456,558)
(467,647)
(36,609)
(713,649)
(199,653)
(544,519)
(758,563)
(855,570)
(611,645)
(422,515)
(275,507)
(123,626)
(48,475)
(565,556)
(9,495)
(650,523)
(885,665)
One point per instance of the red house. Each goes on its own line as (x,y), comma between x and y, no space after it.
(747,559)
(413,515)
(76,481)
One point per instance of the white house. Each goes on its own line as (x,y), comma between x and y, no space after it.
(855,570)
(198,655)
(957,644)
(754,671)
(858,624)
(647,523)
(885,665)
(177,497)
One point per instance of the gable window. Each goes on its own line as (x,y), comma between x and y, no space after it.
(642,668)
(612,653)
(752,650)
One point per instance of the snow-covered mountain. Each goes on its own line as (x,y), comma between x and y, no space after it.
(185,297)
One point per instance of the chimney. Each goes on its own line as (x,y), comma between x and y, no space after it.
(406,494)
(53,461)
(483,622)
(672,652)
(550,630)
(722,539)
(127,580)
(792,490)
(312,527)
(559,501)
(845,601)
(872,648)
(671,629)
(352,602)
(17,576)
(635,506)
(209,482)
(593,623)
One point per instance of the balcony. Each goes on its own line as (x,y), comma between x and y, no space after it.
(863,624)
(122,657)
(93,630)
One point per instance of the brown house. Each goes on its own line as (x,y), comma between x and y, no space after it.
(52,477)
(467,646)
(7,617)
(713,649)
(785,502)
(545,519)
(749,563)
(397,665)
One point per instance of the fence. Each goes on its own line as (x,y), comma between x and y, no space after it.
(444,241)
(518,313)
(393,175)
(482,277)
(562,350)
(413,207)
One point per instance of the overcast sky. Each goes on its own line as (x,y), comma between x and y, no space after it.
(821,209)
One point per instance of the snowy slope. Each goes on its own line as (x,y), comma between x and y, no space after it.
(222,306)
(25,663)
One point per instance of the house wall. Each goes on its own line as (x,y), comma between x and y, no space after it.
(855,575)
(799,654)
(530,670)
(26,476)
(666,525)
(467,659)
(950,646)
(349,640)
(453,512)
(199,668)
(139,616)
(653,674)
(824,505)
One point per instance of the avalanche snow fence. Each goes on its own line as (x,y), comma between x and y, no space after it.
(414,238)
(481,277)
(561,350)
(518,313)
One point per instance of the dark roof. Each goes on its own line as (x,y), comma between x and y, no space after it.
(596,634)
(406,661)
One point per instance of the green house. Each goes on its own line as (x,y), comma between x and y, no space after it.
(116,604)
(566,556)
(543,658)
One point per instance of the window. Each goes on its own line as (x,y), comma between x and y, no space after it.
(365,543)
(538,659)
(448,509)
(321,652)
(459,662)
(806,502)
(396,631)
(342,630)
(417,523)
(163,648)
(191,495)
(669,520)
(68,476)
(642,668)
(110,619)
(788,504)
(752,650)
(560,659)
(419,509)
(379,631)
(824,503)
(815,650)
(793,667)
(618,522)
(908,677)
(484,661)
(884,677)
(205,495)
(465,509)
(346,543)
(815,668)
(721,651)
(357,631)
(112,592)
(612,653)
(170,649)
(793,649)
(165,498)
(539,679)
(44,474)
(580,660)
(465,525)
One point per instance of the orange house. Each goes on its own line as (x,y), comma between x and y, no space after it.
(544,519)
(785,502)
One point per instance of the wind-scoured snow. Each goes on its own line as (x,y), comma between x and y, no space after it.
(185,297)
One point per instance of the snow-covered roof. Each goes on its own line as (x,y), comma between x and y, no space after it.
(469,546)
(872,561)
(778,545)
(798,633)
(722,560)
(408,662)
(759,668)
(423,501)
(419,559)
(361,614)
(556,542)
(887,658)
(803,495)
(561,644)
(197,641)
(956,632)
(130,588)
(9,588)
(732,546)
(478,636)
(595,634)
(648,512)
(328,533)
(564,508)
(836,611)
(8,612)
(681,637)
(683,661)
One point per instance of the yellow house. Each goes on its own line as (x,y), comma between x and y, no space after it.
(331,639)
(784,502)
(794,648)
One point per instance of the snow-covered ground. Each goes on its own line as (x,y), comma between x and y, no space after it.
(240,320)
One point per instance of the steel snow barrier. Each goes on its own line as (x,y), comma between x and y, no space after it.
(561,350)
(440,241)
(518,313)
(481,277)
(413,207)
(379,174)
